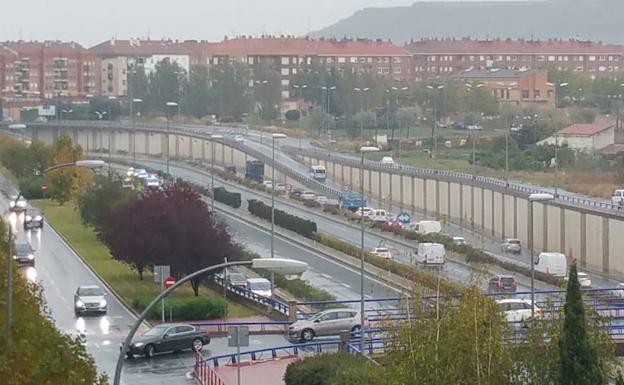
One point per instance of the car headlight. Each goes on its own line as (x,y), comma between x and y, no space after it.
(28,218)
(38,218)
(31,257)
(103,303)
(21,204)
(294,328)
(79,303)
(12,204)
(15,257)
(138,344)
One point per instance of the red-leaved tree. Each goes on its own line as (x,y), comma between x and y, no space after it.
(172,227)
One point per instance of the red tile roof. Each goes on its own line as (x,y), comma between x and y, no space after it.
(507,46)
(36,47)
(586,129)
(138,47)
(613,149)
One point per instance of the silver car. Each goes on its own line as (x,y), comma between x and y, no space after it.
(90,300)
(511,245)
(326,323)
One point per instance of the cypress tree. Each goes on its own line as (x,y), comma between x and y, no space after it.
(579,361)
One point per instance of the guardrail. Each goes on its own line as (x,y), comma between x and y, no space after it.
(257,327)
(426,172)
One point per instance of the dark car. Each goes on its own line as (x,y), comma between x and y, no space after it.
(458,126)
(296,192)
(33,219)
(168,338)
(24,254)
(502,284)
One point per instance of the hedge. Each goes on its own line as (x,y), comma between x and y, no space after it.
(229,198)
(330,369)
(291,222)
(186,309)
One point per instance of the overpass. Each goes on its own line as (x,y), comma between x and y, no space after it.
(584,229)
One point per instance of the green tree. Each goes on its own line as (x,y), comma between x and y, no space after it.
(196,94)
(480,101)
(60,185)
(138,84)
(267,93)
(165,85)
(229,90)
(619,380)
(580,363)
(101,197)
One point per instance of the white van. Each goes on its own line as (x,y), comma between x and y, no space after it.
(387,160)
(618,198)
(378,215)
(260,286)
(431,253)
(427,227)
(554,264)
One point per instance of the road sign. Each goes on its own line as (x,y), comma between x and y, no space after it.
(160,273)
(405,218)
(169,281)
(44,187)
(238,336)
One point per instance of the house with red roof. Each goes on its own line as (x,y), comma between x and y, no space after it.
(584,137)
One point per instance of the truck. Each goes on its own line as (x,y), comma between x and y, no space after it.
(254,170)
(351,200)
(318,173)
(431,254)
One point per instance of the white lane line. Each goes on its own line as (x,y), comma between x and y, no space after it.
(345,285)
(327,276)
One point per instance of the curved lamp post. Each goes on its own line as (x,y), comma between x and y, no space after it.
(276,265)
(538,197)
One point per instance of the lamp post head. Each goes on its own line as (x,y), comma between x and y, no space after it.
(112,97)
(216,136)
(172,104)
(90,163)
(280,265)
(137,100)
(279,136)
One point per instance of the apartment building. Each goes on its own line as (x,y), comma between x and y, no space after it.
(122,56)
(523,88)
(34,72)
(443,57)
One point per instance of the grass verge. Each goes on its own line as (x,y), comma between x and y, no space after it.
(123,279)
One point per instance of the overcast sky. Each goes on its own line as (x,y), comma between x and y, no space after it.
(90,22)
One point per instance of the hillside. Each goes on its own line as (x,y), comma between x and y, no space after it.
(598,20)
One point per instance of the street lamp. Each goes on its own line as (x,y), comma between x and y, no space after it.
(274,137)
(167,106)
(277,265)
(212,171)
(434,141)
(363,150)
(137,101)
(361,92)
(327,90)
(540,197)
(396,102)
(90,164)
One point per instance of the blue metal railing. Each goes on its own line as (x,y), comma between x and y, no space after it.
(246,293)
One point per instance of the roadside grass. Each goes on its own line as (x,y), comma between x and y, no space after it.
(124,280)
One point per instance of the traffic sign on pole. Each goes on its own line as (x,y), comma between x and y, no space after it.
(404,218)
(169,281)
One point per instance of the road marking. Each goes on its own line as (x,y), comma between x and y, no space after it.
(327,276)
(345,285)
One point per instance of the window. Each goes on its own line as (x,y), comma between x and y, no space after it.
(328,317)
(184,329)
(541,58)
(285,94)
(285,60)
(396,60)
(536,94)
(602,58)
(397,70)
(525,94)
(285,71)
(551,58)
(549,93)
(387,60)
(285,82)
(342,60)
(592,58)
(380,60)
(362,60)
(353,60)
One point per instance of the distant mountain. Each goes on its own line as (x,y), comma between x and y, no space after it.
(599,20)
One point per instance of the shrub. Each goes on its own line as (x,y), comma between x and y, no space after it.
(291,222)
(333,368)
(186,309)
(311,203)
(229,198)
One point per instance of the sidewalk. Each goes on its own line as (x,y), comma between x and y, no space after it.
(270,372)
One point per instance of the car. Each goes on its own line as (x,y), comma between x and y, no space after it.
(393,224)
(583,278)
(130,172)
(321,199)
(382,252)
(516,128)
(308,195)
(127,183)
(511,245)
(387,160)
(459,241)
(33,219)
(236,279)
(296,192)
(168,337)
(17,204)
(618,290)
(617,198)
(280,187)
(141,173)
(24,254)
(89,299)
(474,127)
(268,184)
(517,310)
(502,284)
(239,138)
(440,124)
(326,323)
(458,126)
(366,210)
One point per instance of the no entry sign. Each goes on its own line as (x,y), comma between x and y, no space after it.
(169,281)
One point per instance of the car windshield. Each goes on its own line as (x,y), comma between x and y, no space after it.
(381,250)
(514,241)
(156,331)
(90,291)
(260,285)
(507,280)
(22,248)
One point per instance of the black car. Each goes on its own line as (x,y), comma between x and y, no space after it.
(502,284)
(296,192)
(458,126)
(33,219)
(24,254)
(168,338)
